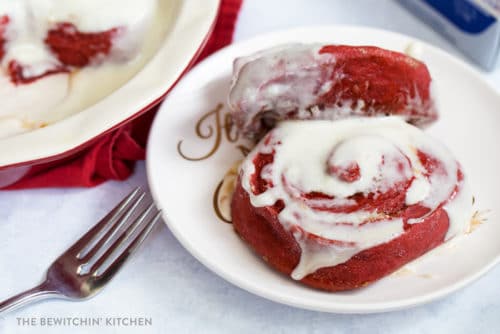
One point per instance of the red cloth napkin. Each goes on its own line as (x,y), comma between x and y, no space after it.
(113,156)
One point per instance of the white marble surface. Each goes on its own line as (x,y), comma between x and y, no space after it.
(165,283)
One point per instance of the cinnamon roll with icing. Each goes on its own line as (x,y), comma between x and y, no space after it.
(312,81)
(338,205)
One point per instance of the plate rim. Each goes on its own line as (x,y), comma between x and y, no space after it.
(342,308)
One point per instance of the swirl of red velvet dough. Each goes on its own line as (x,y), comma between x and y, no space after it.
(261,229)
(74,49)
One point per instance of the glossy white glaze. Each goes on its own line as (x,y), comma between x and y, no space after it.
(297,68)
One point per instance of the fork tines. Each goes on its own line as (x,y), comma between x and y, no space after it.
(107,245)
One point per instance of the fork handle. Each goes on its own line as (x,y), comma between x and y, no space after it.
(42,291)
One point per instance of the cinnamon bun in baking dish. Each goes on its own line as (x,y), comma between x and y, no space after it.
(58,57)
(43,37)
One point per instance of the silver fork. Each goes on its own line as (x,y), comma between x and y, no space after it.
(84,269)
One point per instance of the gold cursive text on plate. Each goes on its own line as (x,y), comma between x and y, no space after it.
(213,125)
(215,203)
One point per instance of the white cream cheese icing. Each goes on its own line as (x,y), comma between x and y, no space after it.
(303,152)
(285,61)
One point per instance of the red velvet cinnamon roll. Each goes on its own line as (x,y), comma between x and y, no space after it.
(327,82)
(338,205)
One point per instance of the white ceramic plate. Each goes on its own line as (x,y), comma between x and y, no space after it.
(190,22)
(184,189)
